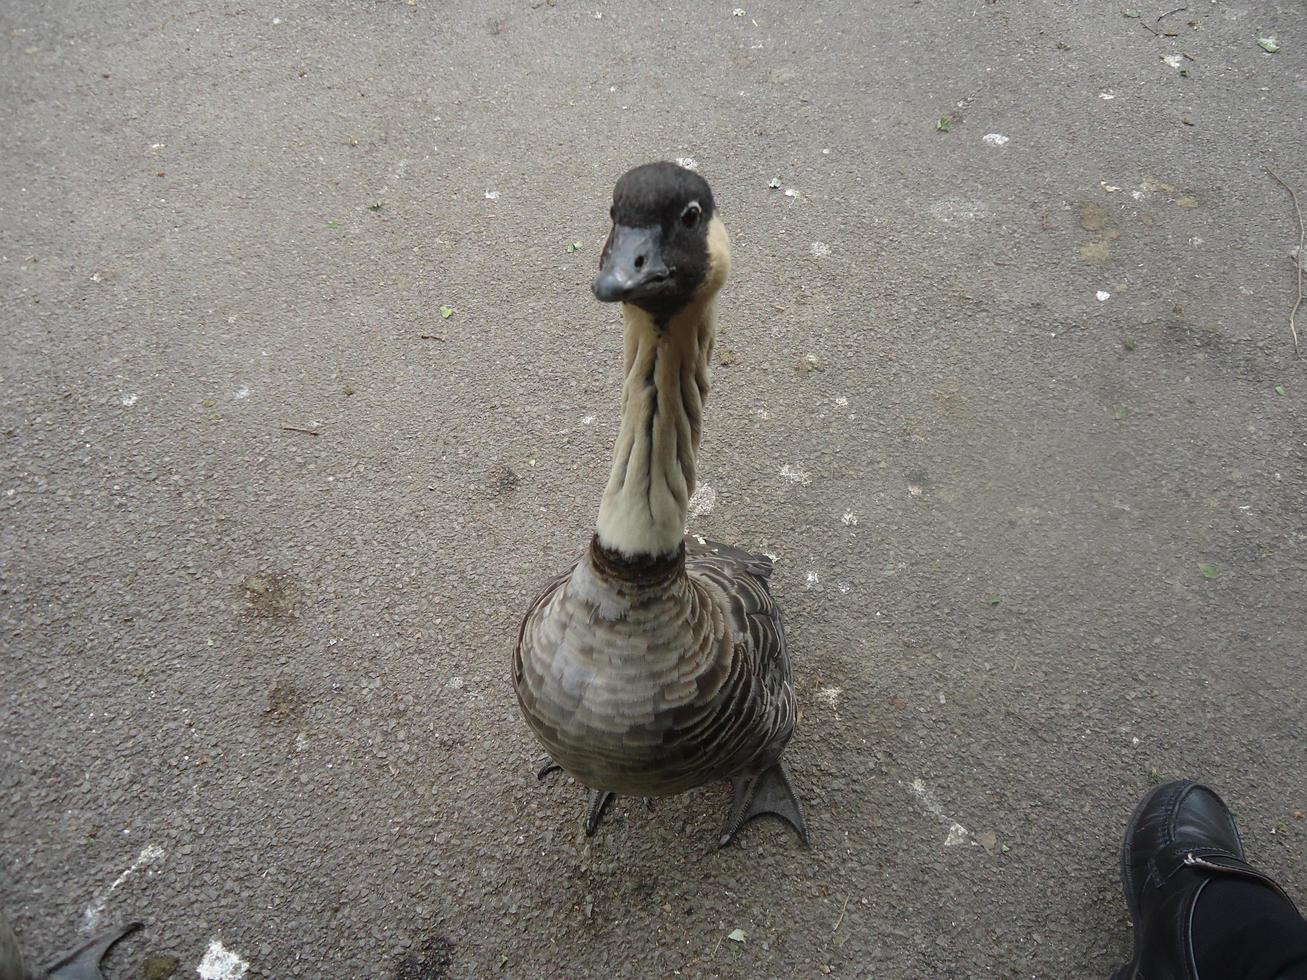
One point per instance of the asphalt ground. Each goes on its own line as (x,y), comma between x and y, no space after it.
(1011,397)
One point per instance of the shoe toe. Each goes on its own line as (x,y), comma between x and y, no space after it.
(1151,828)
(1202,820)
(1176,816)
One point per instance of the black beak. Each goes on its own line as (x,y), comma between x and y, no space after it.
(632,262)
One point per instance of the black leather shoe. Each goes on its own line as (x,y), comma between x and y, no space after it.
(1180,837)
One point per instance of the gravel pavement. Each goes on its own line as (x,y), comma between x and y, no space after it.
(1005,382)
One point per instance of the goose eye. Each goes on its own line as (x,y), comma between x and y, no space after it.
(690,216)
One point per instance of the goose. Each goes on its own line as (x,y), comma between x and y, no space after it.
(79,963)
(657,662)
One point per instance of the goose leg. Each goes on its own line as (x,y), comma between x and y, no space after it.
(597,804)
(594,811)
(83,962)
(549,766)
(768,792)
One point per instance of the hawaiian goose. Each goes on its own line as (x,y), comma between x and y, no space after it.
(657,663)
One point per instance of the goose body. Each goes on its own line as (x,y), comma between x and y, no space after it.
(652,678)
(657,662)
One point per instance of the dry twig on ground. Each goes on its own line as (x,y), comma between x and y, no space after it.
(1298,261)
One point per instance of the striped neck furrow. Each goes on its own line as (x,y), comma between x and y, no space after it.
(653,475)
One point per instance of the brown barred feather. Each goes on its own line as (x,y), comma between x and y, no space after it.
(652,677)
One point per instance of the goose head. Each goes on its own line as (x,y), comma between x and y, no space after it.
(667,248)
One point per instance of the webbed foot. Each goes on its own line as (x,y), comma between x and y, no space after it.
(83,962)
(768,792)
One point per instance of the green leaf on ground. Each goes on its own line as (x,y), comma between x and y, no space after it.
(446,312)
(774,183)
(1130,12)
(1209,571)
(333,223)
(993,598)
(942,124)
(1268,44)
(737,936)
(1120,412)
(574,247)
(1279,390)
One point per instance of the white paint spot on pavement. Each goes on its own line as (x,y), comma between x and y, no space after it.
(951,209)
(1174,60)
(842,402)
(492,195)
(1106,96)
(957,834)
(812,579)
(689,163)
(791,192)
(588,420)
(220,963)
(241,393)
(1102,296)
(795,475)
(849,519)
(820,249)
(130,400)
(702,501)
(91,917)
(995,139)
(831,695)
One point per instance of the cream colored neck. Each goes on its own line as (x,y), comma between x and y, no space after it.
(667,379)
